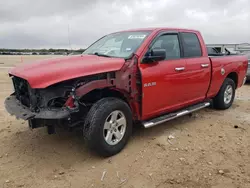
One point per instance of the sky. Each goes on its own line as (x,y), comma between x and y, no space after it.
(78,23)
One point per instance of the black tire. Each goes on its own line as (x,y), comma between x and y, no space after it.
(219,102)
(94,125)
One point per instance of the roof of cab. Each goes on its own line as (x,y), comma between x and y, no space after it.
(162,28)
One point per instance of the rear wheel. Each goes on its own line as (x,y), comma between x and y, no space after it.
(108,126)
(225,97)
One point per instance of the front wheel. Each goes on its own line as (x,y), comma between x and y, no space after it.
(108,126)
(225,97)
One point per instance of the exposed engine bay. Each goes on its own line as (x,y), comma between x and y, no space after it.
(57,104)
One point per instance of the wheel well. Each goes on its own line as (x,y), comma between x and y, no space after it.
(98,94)
(114,93)
(234,77)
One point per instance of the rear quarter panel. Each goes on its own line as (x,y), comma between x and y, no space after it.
(237,64)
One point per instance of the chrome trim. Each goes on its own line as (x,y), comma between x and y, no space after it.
(204,65)
(151,124)
(181,113)
(180,68)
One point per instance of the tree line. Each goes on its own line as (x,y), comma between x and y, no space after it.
(5,51)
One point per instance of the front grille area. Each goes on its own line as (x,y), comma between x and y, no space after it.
(22,90)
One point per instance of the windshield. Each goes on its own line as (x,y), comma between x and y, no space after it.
(122,44)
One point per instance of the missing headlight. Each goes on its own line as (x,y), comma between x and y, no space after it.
(57,102)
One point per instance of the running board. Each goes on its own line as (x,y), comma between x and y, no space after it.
(168,117)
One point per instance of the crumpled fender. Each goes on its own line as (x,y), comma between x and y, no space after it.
(123,82)
(97,84)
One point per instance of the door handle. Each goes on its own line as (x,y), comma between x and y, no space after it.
(204,65)
(180,69)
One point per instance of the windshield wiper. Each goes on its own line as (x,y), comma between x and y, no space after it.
(98,54)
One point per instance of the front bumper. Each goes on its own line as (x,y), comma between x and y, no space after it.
(14,107)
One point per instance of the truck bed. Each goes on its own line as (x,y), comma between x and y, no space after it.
(223,65)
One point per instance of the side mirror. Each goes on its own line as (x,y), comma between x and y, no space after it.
(154,55)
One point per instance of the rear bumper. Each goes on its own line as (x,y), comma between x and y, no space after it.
(14,107)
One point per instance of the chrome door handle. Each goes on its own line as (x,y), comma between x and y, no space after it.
(180,68)
(204,65)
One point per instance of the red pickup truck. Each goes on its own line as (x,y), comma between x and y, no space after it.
(146,76)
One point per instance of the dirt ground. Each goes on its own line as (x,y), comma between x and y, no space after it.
(209,149)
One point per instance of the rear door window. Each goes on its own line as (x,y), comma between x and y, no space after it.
(191,45)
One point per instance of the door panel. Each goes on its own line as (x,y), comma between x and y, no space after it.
(198,67)
(199,74)
(168,92)
(180,80)
(163,82)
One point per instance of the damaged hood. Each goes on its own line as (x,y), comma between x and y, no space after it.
(44,73)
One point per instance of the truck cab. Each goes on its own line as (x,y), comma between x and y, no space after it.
(146,76)
(181,78)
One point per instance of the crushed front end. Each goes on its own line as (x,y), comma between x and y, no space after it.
(52,106)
